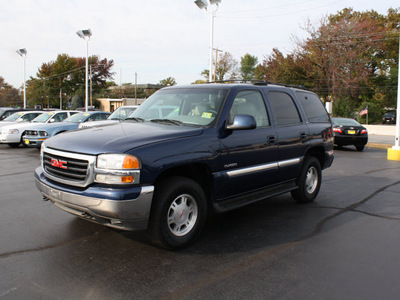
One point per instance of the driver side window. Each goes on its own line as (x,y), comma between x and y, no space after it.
(250,103)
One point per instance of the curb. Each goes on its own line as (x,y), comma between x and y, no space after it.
(378,146)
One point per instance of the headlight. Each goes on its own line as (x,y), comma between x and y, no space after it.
(117,169)
(43,133)
(13,131)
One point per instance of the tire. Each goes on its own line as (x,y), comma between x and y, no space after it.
(13,145)
(360,147)
(178,213)
(309,181)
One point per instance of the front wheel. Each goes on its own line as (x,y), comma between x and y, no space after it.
(309,181)
(13,145)
(178,213)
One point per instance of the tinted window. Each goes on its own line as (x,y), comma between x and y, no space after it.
(313,107)
(285,110)
(250,103)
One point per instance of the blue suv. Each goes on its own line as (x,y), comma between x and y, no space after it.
(215,147)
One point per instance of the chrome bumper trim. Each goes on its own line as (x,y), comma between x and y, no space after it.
(130,214)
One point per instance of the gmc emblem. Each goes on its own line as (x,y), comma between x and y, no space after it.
(62,164)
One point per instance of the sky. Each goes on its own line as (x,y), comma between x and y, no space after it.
(155,39)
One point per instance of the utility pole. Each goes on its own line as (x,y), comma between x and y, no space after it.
(135,88)
(91,87)
(215,66)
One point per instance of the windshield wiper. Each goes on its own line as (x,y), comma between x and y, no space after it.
(134,119)
(167,121)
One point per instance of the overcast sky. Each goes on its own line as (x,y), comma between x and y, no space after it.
(155,38)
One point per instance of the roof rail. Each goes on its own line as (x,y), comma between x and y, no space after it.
(258,82)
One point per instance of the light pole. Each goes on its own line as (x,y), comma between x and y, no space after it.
(22,52)
(394,152)
(86,34)
(202,4)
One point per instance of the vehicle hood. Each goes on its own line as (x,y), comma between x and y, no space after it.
(118,138)
(20,126)
(51,127)
(98,123)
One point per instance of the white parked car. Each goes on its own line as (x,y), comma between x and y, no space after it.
(12,134)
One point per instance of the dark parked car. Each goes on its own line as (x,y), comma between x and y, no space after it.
(389,118)
(214,147)
(8,111)
(349,132)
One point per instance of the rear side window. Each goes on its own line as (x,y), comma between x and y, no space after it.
(286,112)
(313,107)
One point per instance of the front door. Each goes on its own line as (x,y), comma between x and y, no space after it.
(248,156)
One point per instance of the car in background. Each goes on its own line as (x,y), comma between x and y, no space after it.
(349,132)
(35,136)
(20,117)
(7,111)
(12,134)
(121,113)
(389,118)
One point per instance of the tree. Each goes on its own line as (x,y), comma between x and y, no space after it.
(9,96)
(65,78)
(248,65)
(226,67)
(349,58)
(168,81)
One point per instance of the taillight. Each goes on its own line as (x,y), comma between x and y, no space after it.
(364,131)
(336,129)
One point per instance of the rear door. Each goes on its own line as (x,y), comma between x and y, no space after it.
(292,133)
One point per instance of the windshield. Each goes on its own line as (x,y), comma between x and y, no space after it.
(77,118)
(345,122)
(13,117)
(43,117)
(121,113)
(189,106)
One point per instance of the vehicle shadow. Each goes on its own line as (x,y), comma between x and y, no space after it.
(271,222)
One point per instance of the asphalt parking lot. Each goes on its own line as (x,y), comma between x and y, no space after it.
(343,246)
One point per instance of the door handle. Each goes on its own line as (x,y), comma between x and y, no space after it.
(271,140)
(303,136)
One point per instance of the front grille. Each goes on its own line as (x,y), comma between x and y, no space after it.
(65,168)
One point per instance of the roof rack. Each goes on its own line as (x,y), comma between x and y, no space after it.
(258,82)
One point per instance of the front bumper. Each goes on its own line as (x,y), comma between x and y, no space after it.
(10,138)
(126,208)
(35,142)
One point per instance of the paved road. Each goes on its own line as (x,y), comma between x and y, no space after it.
(343,246)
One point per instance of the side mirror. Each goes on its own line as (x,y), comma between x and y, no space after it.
(242,122)
(52,120)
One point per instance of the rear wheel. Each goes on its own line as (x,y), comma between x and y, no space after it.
(178,213)
(360,147)
(309,181)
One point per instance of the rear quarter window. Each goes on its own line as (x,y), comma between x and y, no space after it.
(313,107)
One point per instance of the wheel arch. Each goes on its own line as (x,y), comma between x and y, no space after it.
(199,173)
(318,153)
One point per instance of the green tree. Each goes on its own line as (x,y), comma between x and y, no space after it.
(65,78)
(248,65)
(170,81)
(9,96)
